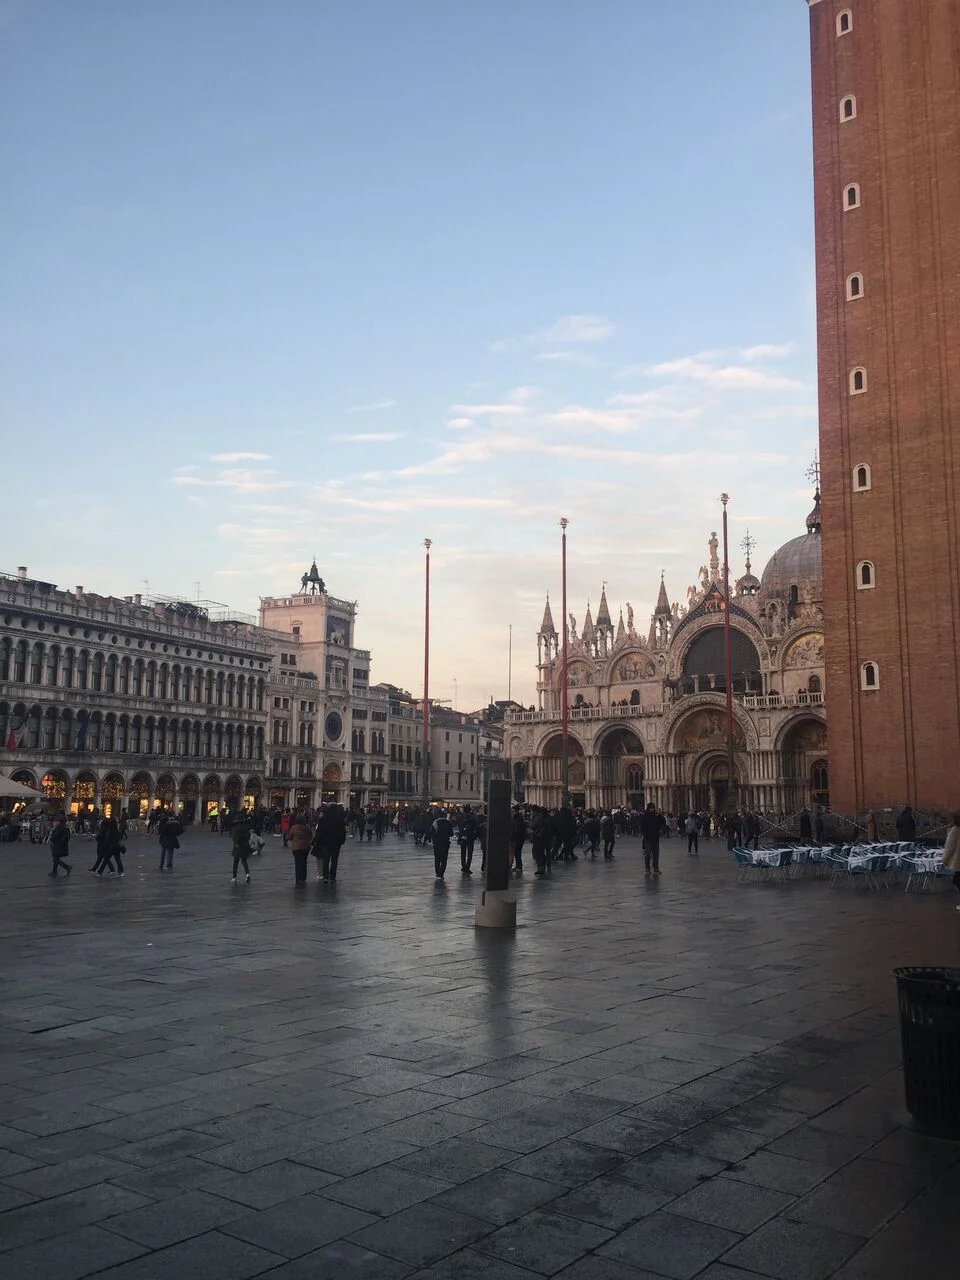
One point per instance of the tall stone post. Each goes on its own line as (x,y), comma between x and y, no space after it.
(497,908)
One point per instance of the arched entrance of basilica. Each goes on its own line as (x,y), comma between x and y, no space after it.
(803,750)
(620,769)
(700,742)
(550,767)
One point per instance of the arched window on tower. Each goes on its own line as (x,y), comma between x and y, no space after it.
(848,108)
(851,196)
(814,685)
(844,22)
(861,477)
(866,575)
(869,676)
(858,381)
(854,286)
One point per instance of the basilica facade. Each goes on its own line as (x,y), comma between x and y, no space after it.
(647,709)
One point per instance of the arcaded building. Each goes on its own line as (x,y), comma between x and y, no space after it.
(647,716)
(126,703)
(886,148)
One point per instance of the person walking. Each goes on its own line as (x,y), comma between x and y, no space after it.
(169,830)
(691,829)
(518,834)
(442,835)
(467,836)
(566,825)
(906,826)
(299,837)
(650,831)
(109,848)
(593,833)
(806,826)
(60,846)
(608,834)
(337,838)
(240,844)
(541,834)
(951,851)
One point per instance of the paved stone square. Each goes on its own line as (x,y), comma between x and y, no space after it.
(678,1077)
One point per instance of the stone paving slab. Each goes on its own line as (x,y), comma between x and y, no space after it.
(673,1078)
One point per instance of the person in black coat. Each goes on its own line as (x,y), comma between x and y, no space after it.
(60,846)
(566,825)
(109,847)
(442,835)
(608,833)
(467,836)
(650,831)
(906,825)
(518,834)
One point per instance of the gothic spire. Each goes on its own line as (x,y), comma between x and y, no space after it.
(546,626)
(603,613)
(663,601)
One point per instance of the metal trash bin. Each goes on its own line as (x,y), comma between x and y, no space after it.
(929,1000)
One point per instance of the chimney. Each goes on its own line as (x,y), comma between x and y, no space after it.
(128,599)
(137,599)
(78,592)
(21,571)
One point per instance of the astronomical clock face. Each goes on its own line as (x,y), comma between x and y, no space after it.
(333,726)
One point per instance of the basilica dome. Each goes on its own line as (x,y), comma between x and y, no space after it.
(798,563)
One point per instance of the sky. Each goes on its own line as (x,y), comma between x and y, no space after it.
(330,277)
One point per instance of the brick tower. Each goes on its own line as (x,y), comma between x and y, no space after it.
(886,145)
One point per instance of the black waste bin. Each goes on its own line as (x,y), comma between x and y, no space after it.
(929,1001)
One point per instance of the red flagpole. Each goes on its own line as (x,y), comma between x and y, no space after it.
(425,780)
(565,760)
(724,498)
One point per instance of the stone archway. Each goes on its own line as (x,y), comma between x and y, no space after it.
(551,770)
(803,745)
(189,797)
(620,768)
(331,783)
(83,793)
(111,795)
(138,804)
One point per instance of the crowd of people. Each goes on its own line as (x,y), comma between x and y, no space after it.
(553,835)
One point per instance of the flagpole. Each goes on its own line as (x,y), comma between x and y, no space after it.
(564,709)
(725,498)
(425,777)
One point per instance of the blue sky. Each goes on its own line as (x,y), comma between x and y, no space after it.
(332,276)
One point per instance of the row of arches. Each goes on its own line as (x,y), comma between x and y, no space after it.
(67,667)
(112,792)
(62,729)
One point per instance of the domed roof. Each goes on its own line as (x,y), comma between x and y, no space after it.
(797,561)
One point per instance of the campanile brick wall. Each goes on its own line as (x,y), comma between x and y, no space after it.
(901,61)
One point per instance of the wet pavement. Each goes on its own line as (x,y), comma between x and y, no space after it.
(677,1077)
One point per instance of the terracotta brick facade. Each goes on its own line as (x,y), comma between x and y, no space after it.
(900,143)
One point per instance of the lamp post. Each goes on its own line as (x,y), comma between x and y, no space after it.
(725,498)
(565,757)
(425,775)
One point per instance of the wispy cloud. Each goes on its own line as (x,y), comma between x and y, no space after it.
(239,457)
(372,407)
(504,409)
(238,480)
(579,358)
(459,424)
(368,437)
(767,351)
(568,329)
(730,377)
